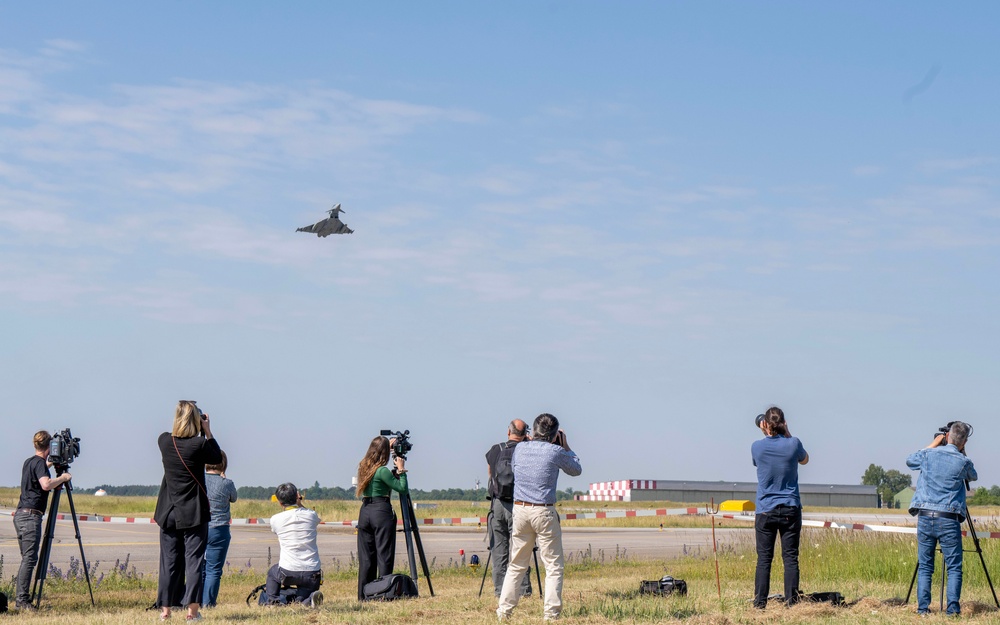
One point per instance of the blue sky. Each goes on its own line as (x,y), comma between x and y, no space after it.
(650,219)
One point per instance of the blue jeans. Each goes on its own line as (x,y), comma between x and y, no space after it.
(947,532)
(215,560)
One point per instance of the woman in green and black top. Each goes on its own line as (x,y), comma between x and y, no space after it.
(377,521)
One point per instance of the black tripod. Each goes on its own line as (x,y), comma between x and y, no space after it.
(534,552)
(46,547)
(944,571)
(412,534)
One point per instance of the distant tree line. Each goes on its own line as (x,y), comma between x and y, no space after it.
(985,496)
(318,493)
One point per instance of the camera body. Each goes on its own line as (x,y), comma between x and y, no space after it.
(63,448)
(945,430)
(403,444)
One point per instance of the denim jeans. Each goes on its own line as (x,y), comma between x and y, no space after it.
(29,536)
(215,559)
(947,533)
(786,522)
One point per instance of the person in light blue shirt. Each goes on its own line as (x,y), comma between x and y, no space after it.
(221,493)
(939,505)
(537,463)
(777,457)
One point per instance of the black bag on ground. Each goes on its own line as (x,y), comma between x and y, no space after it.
(824,597)
(285,597)
(390,587)
(666,585)
(3,603)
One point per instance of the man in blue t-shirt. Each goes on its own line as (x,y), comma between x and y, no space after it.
(777,457)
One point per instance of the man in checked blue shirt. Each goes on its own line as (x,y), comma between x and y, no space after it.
(536,464)
(939,504)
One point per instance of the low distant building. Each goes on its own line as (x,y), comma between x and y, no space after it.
(904,497)
(830,495)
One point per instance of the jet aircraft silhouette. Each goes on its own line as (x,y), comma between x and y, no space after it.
(328,226)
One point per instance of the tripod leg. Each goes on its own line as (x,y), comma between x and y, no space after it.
(406,507)
(538,574)
(46,550)
(944,574)
(486,569)
(79,539)
(913,580)
(979,550)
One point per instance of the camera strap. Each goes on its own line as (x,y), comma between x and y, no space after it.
(174,439)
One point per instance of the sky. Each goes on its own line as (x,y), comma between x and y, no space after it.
(652,220)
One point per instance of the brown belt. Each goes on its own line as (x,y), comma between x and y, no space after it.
(528,503)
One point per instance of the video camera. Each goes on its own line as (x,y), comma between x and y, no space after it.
(403,444)
(63,448)
(947,428)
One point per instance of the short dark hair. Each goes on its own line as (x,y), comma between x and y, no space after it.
(545,428)
(287,494)
(220,467)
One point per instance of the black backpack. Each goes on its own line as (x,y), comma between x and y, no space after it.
(503,475)
(3,603)
(666,585)
(390,588)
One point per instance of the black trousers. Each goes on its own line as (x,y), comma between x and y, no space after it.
(784,522)
(304,582)
(376,542)
(182,552)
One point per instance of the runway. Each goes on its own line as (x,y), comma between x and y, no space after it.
(105,543)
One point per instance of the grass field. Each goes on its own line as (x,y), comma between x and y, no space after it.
(867,568)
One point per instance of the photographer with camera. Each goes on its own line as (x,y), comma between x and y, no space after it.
(298,563)
(777,457)
(939,505)
(36,482)
(377,519)
(183,510)
(500,488)
(537,463)
(221,493)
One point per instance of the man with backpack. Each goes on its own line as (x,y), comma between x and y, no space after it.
(501,493)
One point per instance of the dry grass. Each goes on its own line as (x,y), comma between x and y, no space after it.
(869,569)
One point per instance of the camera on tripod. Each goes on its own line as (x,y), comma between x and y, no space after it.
(63,449)
(403,444)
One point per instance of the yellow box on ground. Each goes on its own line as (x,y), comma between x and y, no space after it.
(737,505)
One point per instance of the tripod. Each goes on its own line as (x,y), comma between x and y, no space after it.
(412,534)
(944,571)
(534,552)
(46,547)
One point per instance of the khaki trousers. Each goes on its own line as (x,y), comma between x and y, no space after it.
(534,526)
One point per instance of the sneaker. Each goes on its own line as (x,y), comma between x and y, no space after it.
(25,607)
(315,599)
(193,619)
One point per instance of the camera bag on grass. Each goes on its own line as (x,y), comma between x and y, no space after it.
(666,585)
(287,596)
(3,603)
(390,588)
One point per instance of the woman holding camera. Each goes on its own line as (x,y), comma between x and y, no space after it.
(377,520)
(221,493)
(182,509)
(777,457)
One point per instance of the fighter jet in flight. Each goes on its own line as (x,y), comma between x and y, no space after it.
(330,225)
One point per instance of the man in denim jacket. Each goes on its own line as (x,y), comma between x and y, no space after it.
(939,504)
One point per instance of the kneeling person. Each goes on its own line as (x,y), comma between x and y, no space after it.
(298,565)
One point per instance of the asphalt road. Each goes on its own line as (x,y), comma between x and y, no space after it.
(107,542)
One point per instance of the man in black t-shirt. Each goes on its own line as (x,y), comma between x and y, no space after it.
(501,506)
(35,486)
